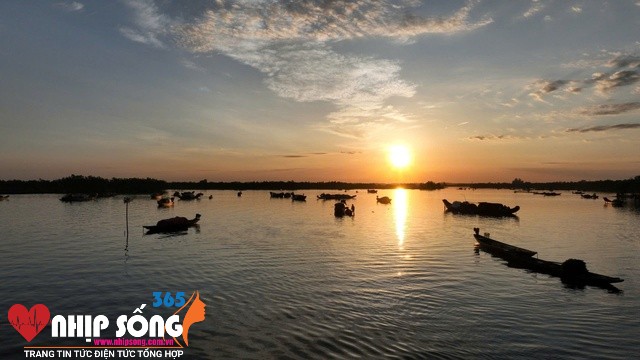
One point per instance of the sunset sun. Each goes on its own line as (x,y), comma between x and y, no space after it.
(399,156)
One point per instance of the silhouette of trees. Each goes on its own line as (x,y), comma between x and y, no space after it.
(98,185)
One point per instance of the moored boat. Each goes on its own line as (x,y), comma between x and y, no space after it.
(188,195)
(616,202)
(324,196)
(298,197)
(547,193)
(572,271)
(383,200)
(166,202)
(174,224)
(157,195)
(587,196)
(77,198)
(340,209)
(500,247)
(482,208)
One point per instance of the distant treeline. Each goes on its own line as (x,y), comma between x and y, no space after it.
(98,185)
(612,186)
(83,184)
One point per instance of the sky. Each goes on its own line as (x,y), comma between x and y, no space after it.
(257,90)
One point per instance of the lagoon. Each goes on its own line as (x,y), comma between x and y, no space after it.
(283,279)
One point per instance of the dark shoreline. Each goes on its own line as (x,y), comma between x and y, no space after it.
(98,185)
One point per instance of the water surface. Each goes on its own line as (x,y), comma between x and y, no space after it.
(285,279)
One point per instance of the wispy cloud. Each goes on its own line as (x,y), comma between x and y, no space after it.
(544,87)
(607,82)
(625,72)
(150,24)
(70,6)
(610,109)
(492,137)
(318,20)
(291,43)
(606,128)
(535,8)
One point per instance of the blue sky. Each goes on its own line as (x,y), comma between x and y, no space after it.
(319,90)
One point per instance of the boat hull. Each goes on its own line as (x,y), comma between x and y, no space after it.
(482,208)
(571,271)
(176,224)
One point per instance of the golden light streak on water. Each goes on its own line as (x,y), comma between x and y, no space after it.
(399,201)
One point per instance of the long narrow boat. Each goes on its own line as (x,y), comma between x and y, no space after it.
(324,196)
(174,224)
(572,271)
(499,247)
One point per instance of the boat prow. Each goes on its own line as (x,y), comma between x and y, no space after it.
(500,247)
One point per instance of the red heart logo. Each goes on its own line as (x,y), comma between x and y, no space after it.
(29,322)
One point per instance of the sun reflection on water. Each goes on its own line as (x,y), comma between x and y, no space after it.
(400,213)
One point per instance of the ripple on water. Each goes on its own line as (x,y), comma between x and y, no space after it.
(283,280)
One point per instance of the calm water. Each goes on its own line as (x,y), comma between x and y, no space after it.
(285,279)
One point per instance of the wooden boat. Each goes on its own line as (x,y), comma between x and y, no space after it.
(188,195)
(166,202)
(482,208)
(340,209)
(616,202)
(280,195)
(157,195)
(324,196)
(500,247)
(572,271)
(77,198)
(587,196)
(174,224)
(372,191)
(383,200)
(546,193)
(298,197)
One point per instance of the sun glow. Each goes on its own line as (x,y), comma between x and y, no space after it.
(399,156)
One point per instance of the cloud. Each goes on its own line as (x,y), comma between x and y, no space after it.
(495,137)
(625,72)
(291,43)
(607,82)
(606,128)
(610,109)
(623,61)
(536,7)
(544,87)
(317,20)
(137,36)
(191,65)
(72,6)
(150,23)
